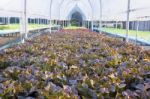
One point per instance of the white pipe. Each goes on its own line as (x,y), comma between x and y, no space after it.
(43,21)
(63,23)
(23,22)
(60,5)
(14,20)
(33,21)
(50,16)
(37,20)
(3,20)
(92,14)
(8,20)
(100,20)
(132,25)
(127,22)
(116,24)
(88,25)
(92,25)
(46,21)
(25,18)
(21,30)
(137,29)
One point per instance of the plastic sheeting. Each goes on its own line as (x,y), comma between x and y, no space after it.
(62,9)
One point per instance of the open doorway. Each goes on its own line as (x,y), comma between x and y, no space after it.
(76,19)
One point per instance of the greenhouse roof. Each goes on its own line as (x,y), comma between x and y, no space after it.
(62,9)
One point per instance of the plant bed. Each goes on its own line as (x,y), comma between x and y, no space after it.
(75,64)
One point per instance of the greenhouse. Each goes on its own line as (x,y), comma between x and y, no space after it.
(74,49)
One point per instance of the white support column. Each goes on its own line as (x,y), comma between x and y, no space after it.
(100,19)
(92,14)
(37,20)
(92,25)
(50,15)
(22,33)
(145,26)
(8,20)
(137,29)
(3,21)
(46,21)
(132,25)
(63,23)
(38,24)
(88,25)
(40,21)
(128,20)
(23,22)
(116,24)
(50,26)
(55,22)
(33,21)
(14,20)
(60,5)
(58,22)
(29,21)
(43,21)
